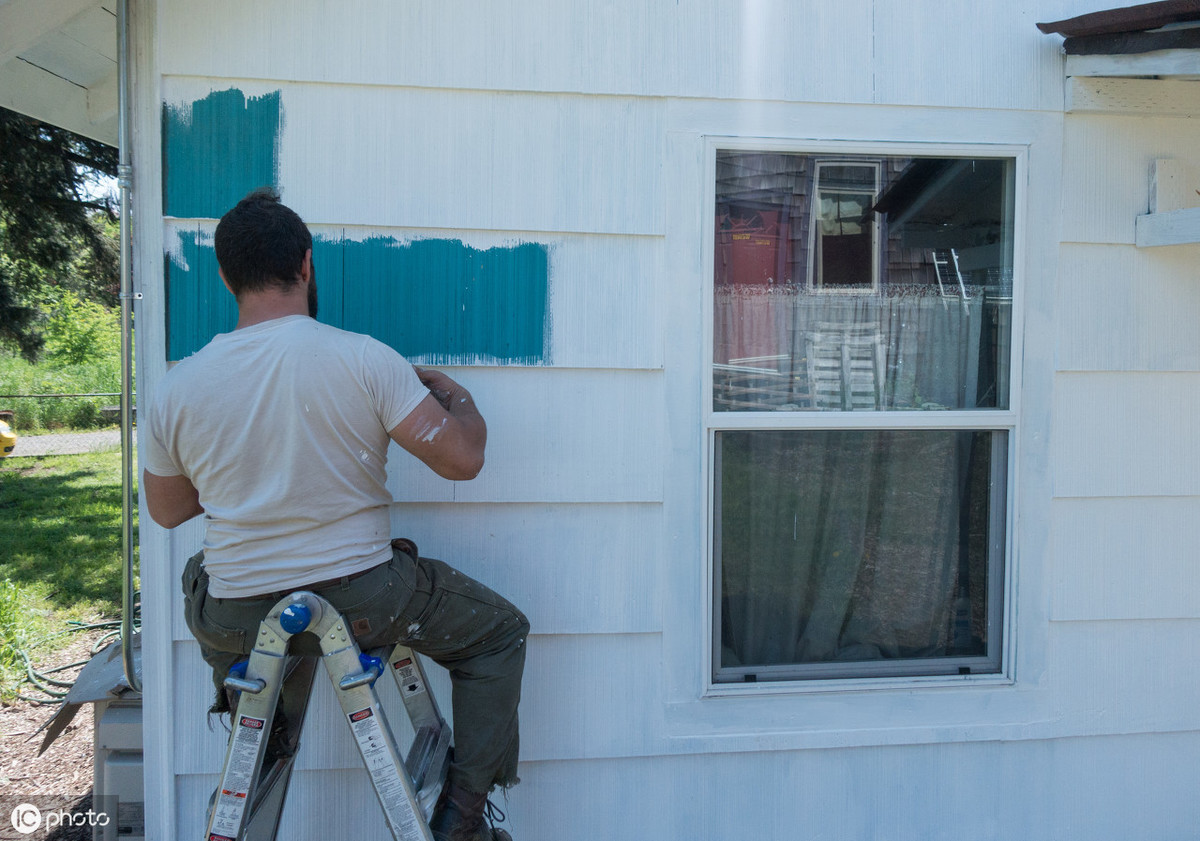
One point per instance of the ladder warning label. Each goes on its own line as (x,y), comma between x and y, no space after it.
(407,678)
(385,769)
(239,772)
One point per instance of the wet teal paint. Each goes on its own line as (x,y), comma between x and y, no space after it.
(446,303)
(198,304)
(437,301)
(217,149)
(327,263)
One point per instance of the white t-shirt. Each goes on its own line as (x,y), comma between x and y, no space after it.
(282,427)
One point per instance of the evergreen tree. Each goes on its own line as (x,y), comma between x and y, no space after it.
(54,237)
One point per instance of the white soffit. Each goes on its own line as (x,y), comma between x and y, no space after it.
(58,63)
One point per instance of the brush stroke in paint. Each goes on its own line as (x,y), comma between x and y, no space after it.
(436,301)
(217,149)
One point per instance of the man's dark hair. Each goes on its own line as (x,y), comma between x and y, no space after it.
(261,243)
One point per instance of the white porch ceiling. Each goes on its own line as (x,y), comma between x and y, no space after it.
(58,63)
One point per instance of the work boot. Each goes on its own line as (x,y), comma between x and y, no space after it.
(459,816)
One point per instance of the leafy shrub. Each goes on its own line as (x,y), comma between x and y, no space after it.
(79,331)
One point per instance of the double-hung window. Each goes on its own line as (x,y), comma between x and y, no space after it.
(859,444)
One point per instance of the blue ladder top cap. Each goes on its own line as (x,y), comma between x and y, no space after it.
(295,617)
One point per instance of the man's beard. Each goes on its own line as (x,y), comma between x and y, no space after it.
(312,292)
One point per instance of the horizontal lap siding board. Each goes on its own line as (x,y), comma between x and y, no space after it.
(554,436)
(1132,676)
(626,48)
(957,61)
(1126,309)
(1142,786)
(573,569)
(329,804)
(470,160)
(1124,434)
(1145,548)
(583,301)
(583,696)
(855,51)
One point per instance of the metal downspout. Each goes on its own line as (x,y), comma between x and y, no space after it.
(125,185)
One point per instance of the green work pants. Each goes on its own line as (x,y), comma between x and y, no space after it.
(460,624)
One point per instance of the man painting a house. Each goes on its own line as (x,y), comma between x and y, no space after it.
(277,432)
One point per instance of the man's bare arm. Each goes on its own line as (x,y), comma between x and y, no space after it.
(171,500)
(445,431)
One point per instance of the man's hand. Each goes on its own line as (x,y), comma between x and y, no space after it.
(171,500)
(439,385)
(445,431)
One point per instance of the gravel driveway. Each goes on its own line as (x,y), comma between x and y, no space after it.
(67,443)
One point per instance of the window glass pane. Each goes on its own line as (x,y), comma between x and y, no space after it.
(858,552)
(861,282)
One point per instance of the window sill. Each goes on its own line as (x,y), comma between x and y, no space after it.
(854,685)
(854,714)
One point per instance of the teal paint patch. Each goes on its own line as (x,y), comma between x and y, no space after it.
(437,301)
(218,149)
(327,263)
(198,304)
(445,303)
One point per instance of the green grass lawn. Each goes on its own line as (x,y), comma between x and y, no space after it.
(60,551)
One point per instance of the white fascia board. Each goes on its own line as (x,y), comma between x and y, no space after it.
(1136,97)
(1157,63)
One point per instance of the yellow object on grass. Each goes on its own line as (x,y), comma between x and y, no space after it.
(8,439)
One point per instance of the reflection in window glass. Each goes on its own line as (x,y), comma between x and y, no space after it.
(924,244)
(844,251)
(858,552)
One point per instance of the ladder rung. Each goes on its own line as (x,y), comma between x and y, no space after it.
(421,755)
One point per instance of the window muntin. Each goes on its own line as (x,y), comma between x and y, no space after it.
(929,257)
(872,544)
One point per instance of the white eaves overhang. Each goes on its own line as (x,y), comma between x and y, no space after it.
(58,63)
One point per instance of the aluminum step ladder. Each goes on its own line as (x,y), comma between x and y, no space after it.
(262,749)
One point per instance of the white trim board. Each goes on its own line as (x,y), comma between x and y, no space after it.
(1136,97)
(1177,227)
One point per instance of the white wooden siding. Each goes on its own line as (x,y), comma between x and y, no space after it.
(1106,171)
(584,126)
(1130,676)
(460,159)
(605,292)
(571,436)
(1144,787)
(572,568)
(1125,309)
(1126,434)
(978,55)
(1121,558)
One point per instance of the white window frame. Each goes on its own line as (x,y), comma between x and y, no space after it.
(977,419)
(815,269)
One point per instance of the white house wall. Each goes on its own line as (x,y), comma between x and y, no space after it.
(584,128)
